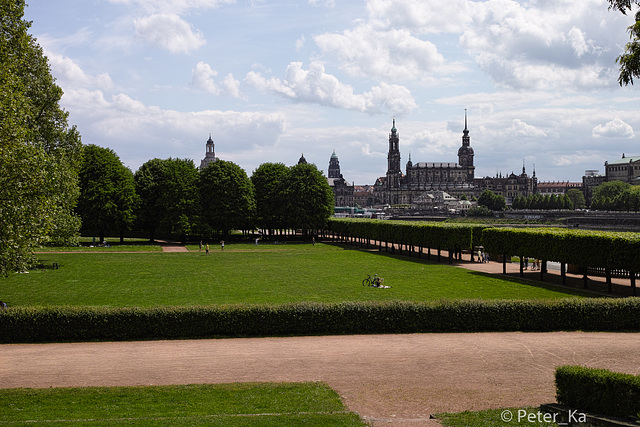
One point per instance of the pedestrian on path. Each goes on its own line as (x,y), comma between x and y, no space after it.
(222,245)
(200,247)
(206,248)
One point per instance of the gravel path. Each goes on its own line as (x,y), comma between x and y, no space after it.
(398,379)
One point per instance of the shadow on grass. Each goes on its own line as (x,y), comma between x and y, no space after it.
(553,282)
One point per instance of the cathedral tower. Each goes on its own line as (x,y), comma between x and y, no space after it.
(393,159)
(465,153)
(334,166)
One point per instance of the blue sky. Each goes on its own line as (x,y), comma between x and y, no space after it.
(271,80)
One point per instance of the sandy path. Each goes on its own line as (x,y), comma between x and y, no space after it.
(399,378)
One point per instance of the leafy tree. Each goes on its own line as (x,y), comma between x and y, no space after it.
(630,60)
(605,194)
(270,181)
(39,152)
(309,198)
(479,211)
(107,193)
(577,198)
(169,197)
(226,197)
(492,201)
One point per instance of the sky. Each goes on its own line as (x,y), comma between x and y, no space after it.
(272,80)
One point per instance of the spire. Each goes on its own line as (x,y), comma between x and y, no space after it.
(523,172)
(465,119)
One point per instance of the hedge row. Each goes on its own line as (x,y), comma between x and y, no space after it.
(48,324)
(612,250)
(425,234)
(599,391)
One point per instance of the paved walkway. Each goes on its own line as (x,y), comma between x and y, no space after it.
(398,379)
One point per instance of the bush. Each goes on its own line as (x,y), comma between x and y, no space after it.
(56,324)
(599,391)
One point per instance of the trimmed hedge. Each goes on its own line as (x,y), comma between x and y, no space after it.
(417,233)
(56,324)
(591,248)
(599,391)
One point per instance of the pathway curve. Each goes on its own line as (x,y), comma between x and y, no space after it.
(400,379)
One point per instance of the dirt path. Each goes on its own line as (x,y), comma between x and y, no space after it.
(385,378)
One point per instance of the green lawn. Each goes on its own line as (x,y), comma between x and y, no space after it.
(290,273)
(256,404)
(498,418)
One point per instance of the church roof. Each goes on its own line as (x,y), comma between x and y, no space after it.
(625,160)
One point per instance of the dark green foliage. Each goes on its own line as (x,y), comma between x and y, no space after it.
(107,192)
(579,247)
(616,196)
(39,151)
(630,60)
(598,391)
(270,182)
(37,324)
(577,198)
(425,234)
(226,197)
(169,198)
(309,198)
(492,201)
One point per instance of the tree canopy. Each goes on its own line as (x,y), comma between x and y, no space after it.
(309,198)
(493,201)
(107,192)
(630,60)
(169,198)
(39,152)
(226,197)
(269,181)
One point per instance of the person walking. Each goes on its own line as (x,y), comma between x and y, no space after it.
(206,248)
(222,245)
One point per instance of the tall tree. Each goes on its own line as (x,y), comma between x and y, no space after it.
(226,197)
(630,60)
(577,198)
(169,203)
(493,201)
(270,181)
(39,151)
(107,193)
(606,193)
(309,198)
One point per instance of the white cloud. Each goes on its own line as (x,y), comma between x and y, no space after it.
(616,128)
(541,45)
(316,86)
(202,77)
(420,16)
(393,54)
(68,72)
(170,32)
(519,128)
(139,132)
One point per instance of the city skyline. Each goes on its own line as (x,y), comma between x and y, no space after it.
(273,80)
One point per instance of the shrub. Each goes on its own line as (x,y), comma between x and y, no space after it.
(598,390)
(55,324)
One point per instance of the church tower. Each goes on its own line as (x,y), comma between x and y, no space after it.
(334,166)
(465,153)
(393,159)
(210,155)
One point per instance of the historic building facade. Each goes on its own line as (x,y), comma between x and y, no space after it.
(343,192)
(422,179)
(396,188)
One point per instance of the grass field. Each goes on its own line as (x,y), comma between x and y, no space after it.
(249,404)
(252,274)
